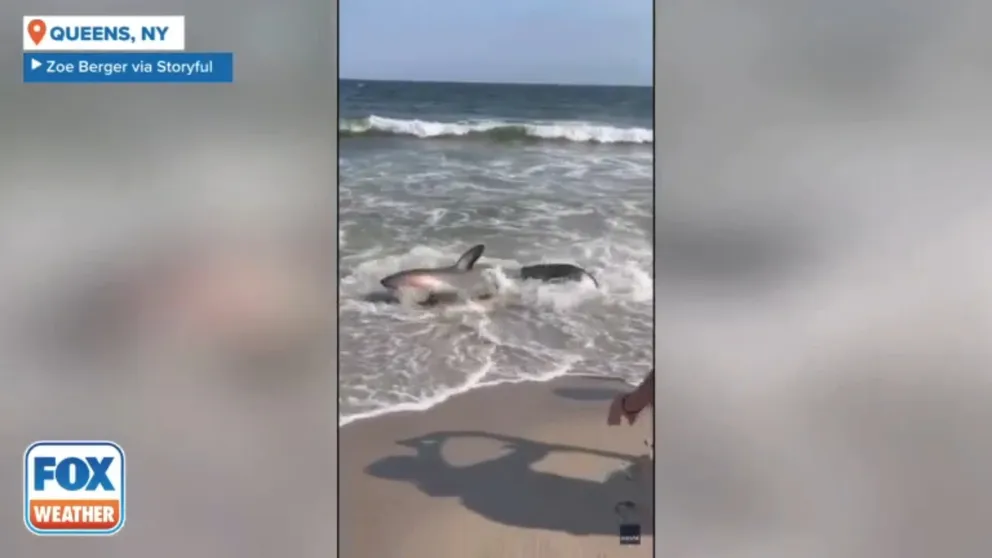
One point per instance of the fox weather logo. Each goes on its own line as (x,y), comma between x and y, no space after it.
(74,488)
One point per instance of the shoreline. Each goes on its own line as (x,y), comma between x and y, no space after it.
(444,396)
(513,469)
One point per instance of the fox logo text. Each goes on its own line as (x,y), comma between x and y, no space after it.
(74,488)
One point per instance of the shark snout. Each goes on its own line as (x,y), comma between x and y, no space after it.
(389,282)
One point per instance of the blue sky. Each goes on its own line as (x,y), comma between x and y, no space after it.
(522,41)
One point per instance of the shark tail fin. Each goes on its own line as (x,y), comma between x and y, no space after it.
(591,276)
(469,258)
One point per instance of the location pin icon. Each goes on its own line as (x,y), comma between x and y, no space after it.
(36,30)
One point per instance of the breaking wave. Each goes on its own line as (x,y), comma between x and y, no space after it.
(495,130)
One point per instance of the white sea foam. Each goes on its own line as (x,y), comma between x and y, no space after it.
(557,198)
(574,131)
(532,332)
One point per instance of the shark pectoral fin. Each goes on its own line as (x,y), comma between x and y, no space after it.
(469,258)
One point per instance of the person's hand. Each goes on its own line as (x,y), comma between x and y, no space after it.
(619,409)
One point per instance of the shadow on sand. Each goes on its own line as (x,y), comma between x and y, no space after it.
(507,490)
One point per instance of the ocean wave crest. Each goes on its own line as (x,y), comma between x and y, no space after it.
(494,130)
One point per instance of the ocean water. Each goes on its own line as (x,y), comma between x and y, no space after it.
(536,173)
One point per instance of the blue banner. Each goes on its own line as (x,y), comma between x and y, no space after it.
(128,67)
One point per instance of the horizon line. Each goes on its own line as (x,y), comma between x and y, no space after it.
(472,82)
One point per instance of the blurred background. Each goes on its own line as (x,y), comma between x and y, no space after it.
(824,283)
(167,282)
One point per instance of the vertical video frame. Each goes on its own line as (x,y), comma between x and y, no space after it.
(496,279)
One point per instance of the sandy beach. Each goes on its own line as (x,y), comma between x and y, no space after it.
(526,469)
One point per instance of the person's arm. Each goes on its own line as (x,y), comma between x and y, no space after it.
(631,404)
(635,401)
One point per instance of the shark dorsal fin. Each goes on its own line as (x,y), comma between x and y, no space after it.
(469,258)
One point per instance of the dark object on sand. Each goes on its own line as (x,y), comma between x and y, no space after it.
(556,273)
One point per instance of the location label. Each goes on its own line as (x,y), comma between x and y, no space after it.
(36,30)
